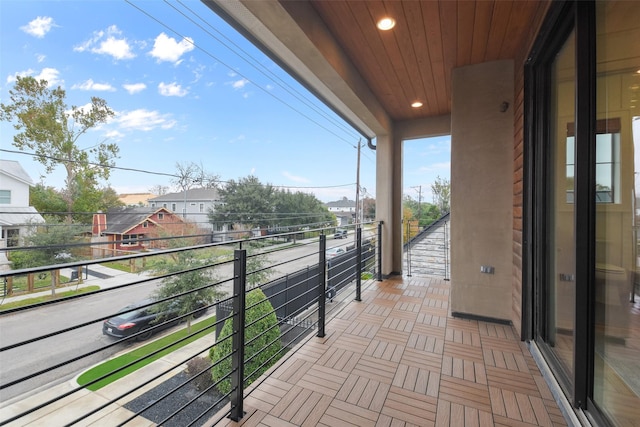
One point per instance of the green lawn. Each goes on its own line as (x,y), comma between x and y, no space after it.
(36,300)
(140,353)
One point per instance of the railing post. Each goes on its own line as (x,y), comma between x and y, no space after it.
(237,341)
(322,275)
(446,253)
(380,251)
(359,264)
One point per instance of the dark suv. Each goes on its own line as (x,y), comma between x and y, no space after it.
(340,233)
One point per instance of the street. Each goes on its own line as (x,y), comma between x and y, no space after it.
(43,354)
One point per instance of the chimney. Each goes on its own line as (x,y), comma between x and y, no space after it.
(99,223)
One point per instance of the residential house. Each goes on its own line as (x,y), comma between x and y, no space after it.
(17,218)
(192,205)
(540,99)
(130,228)
(344,210)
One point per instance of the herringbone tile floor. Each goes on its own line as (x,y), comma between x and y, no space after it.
(399,359)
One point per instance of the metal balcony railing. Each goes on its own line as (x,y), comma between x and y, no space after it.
(428,253)
(46,345)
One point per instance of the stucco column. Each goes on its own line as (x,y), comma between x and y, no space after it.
(389,201)
(482,190)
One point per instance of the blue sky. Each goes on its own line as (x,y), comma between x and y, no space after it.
(187,88)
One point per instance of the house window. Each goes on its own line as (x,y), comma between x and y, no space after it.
(201,207)
(173,207)
(160,216)
(164,205)
(129,239)
(145,224)
(153,204)
(5,197)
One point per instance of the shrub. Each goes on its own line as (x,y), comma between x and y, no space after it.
(198,373)
(265,347)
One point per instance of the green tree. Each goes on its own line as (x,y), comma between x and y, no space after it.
(441,190)
(262,342)
(48,201)
(52,241)
(296,209)
(51,129)
(186,275)
(246,201)
(369,208)
(88,198)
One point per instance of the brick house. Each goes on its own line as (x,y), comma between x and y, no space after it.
(130,228)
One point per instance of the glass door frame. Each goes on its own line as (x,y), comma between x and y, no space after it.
(562,18)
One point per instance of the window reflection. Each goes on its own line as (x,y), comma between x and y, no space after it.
(617,316)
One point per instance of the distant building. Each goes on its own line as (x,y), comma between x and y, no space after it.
(193,205)
(125,229)
(344,210)
(17,218)
(136,199)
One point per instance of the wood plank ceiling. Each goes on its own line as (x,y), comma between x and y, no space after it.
(414,60)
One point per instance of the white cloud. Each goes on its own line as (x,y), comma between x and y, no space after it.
(167,49)
(40,57)
(134,88)
(114,134)
(108,42)
(239,84)
(13,77)
(144,120)
(294,178)
(238,138)
(91,85)
(171,89)
(39,27)
(51,75)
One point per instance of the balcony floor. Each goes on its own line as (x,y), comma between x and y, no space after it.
(398,358)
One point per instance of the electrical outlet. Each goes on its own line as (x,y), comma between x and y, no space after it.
(488,269)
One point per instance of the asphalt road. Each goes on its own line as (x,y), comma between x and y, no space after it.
(27,360)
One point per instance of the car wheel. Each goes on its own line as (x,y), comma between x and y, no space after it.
(199,313)
(145,335)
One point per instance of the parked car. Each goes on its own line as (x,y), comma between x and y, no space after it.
(334,252)
(340,233)
(132,319)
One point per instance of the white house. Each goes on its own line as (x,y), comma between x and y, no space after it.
(192,205)
(16,216)
(344,210)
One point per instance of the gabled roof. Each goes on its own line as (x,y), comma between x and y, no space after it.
(344,203)
(121,220)
(13,216)
(13,169)
(194,194)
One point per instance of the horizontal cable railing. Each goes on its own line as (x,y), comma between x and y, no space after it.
(285,292)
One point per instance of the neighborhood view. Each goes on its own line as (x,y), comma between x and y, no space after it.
(177,213)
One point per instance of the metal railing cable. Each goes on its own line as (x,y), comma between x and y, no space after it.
(301,287)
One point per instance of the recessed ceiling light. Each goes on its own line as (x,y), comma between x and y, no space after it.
(386,23)
(416,104)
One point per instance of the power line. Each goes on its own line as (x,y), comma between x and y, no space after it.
(206,52)
(57,159)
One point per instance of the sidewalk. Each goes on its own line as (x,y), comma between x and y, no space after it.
(101,276)
(83,401)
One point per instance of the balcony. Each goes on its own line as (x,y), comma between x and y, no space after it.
(395,357)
